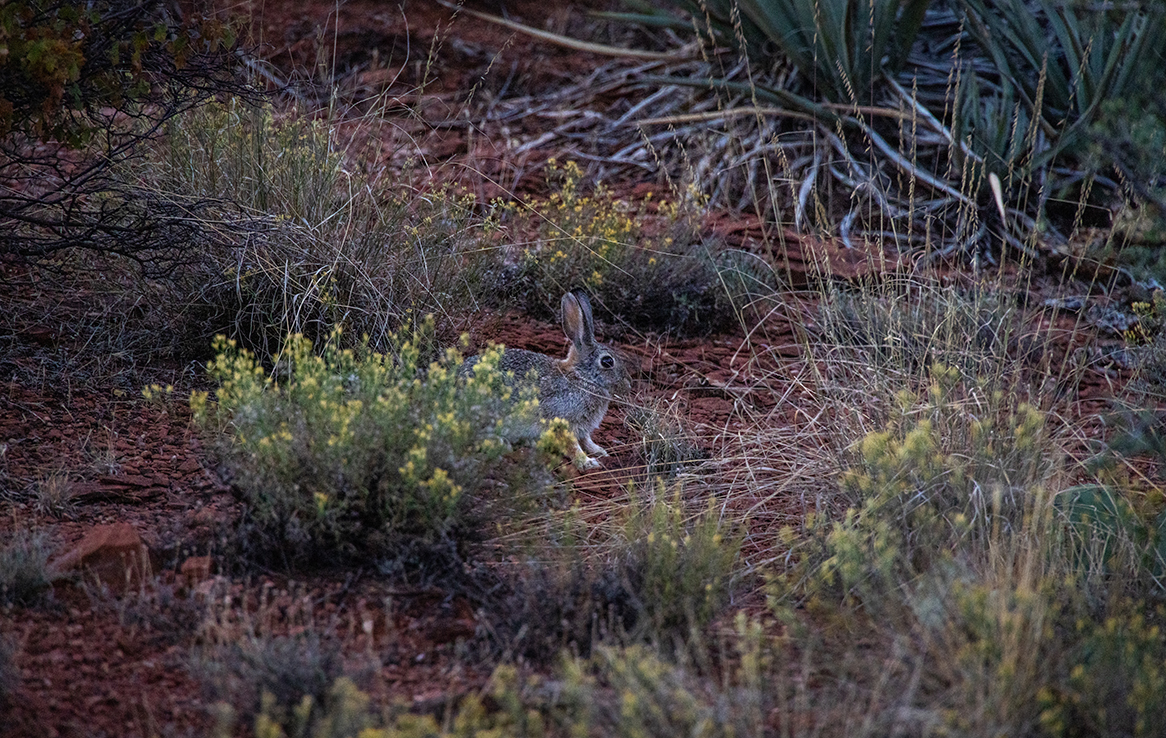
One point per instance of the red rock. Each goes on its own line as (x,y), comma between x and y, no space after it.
(112,554)
(189,466)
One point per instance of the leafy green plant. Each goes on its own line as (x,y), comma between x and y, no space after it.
(24,573)
(1118,524)
(353,453)
(1066,59)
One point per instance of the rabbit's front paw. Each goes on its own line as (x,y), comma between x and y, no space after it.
(583,461)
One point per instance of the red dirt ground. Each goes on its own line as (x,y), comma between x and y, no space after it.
(109,665)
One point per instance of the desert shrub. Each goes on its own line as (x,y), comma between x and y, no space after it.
(1116,683)
(554,600)
(656,572)
(653,571)
(24,574)
(353,453)
(308,240)
(619,692)
(509,705)
(268,674)
(670,280)
(680,566)
(1147,341)
(935,489)
(1117,521)
(657,697)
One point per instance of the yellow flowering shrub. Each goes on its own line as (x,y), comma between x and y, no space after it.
(681,566)
(351,452)
(1116,683)
(943,480)
(643,261)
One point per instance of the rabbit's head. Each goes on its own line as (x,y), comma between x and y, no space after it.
(603,368)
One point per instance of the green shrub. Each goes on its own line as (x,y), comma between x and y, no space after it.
(354,453)
(657,698)
(679,567)
(1116,683)
(24,574)
(943,482)
(654,573)
(509,705)
(666,281)
(627,692)
(1117,522)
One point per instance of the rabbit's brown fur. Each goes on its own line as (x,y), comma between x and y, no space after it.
(577,388)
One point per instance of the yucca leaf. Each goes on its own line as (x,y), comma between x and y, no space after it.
(656,20)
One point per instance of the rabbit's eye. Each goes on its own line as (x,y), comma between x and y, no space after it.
(606,361)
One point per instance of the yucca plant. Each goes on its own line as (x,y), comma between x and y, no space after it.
(1061,60)
(946,93)
(841,47)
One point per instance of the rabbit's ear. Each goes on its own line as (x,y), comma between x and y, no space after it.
(577,320)
(588,321)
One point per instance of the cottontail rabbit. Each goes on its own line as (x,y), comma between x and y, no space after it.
(577,388)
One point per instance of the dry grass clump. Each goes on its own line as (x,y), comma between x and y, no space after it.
(303,242)
(666,444)
(24,573)
(268,674)
(53,494)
